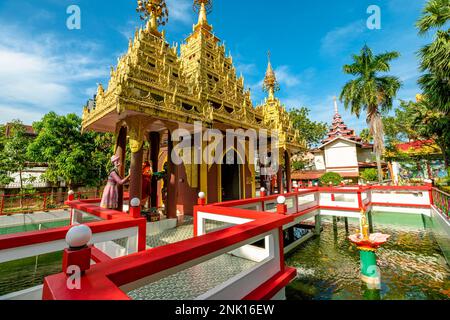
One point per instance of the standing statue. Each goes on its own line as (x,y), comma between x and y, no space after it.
(110,193)
(147,174)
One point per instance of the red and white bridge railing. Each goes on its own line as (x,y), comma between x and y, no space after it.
(114,225)
(115,278)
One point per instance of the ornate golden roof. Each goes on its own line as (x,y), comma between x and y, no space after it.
(200,84)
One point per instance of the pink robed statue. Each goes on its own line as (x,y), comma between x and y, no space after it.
(110,196)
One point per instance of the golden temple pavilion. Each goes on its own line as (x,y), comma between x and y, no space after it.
(157,88)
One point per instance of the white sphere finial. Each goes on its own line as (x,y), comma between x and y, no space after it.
(78,236)
(281,200)
(135,202)
(263,189)
(201,195)
(71,192)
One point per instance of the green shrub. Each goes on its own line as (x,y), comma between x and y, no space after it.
(333,177)
(369,175)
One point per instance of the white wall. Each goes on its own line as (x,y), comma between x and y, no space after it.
(319,161)
(34,173)
(340,153)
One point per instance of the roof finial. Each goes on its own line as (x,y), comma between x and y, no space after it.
(270,81)
(336,110)
(155,11)
(203,7)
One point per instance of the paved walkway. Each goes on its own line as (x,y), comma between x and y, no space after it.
(180,233)
(195,281)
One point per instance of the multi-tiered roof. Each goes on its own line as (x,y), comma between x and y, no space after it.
(200,84)
(339,129)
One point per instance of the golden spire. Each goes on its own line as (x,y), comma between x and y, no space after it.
(155,11)
(203,7)
(270,81)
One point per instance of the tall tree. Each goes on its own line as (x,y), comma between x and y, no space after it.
(403,125)
(312,131)
(76,158)
(435,81)
(371,92)
(430,123)
(435,57)
(13,150)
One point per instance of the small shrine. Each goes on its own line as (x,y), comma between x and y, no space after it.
(342,151)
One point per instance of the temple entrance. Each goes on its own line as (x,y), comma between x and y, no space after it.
(230,178)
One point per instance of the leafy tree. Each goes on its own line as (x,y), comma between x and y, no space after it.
(78,159)
(13,151)
(416,121)
(435,82)
(331,177)
(312,131)
(435,57)
(431,123)
(403,126)
(298,165)
(371,92)
(369,175)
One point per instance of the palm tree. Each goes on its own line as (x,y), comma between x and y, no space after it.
(435,57)
(366,136)
(371,92)
(435,14)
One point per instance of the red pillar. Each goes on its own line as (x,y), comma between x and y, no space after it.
(136,174)
(287,161)
(280,181)
(172,182)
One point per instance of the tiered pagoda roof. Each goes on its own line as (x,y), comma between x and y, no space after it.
(339,129)
(200,84)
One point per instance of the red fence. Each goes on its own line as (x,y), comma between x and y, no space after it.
(28,203)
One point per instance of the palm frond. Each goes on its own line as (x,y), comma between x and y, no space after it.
(435,14)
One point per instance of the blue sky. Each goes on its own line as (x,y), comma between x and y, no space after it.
(46,67)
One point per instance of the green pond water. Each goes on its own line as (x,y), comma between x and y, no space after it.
(411,263)
(29,272)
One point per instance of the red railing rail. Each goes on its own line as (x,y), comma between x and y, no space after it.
(441,201)
(359,191)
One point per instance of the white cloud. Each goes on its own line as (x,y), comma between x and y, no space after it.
(181,11)
(246,68)
(8,113)
(43,73)
(286,77)
(341,38)
(128,30)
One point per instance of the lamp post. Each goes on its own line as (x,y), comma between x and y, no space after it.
(79,253)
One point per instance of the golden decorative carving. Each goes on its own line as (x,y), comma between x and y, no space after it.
(136,132)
